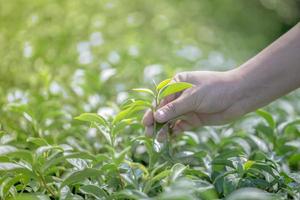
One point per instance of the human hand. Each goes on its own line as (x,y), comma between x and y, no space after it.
(213,100)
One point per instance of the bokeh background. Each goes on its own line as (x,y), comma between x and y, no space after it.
(59,58)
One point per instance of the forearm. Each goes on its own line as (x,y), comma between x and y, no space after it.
(272,73)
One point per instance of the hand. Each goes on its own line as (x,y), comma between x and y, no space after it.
(220,97)
(213,100)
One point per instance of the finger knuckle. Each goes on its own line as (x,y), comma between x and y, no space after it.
(171,107)
(182,76)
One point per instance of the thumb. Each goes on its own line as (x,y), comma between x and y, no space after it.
(179,106)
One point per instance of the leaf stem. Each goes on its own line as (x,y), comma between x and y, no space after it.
(43,181)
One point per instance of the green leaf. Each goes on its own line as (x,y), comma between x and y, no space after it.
(13,152)
(79,176)
(94,191)
(128,194)
(93,118)
(174,88)
(268,117)
(30,197)
(250,194)
(6,149)
(37,141)
(134,103)
(176,171)
(10,182)
(16,168)
(43,149)
(248,164)
(144,90)
(127,113)
(158,177)
(55,160)
(163,84)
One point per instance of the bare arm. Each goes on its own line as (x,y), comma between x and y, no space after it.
(272,73)
(220,97)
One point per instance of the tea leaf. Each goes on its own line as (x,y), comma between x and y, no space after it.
(79,176)
(32,196)
(174,88)
(37,141)
(144,90)
(176,171)
(94,191)
(93,118)
(248,164)
(163,84)
(268,117)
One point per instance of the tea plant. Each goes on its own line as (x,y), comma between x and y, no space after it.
(216,163)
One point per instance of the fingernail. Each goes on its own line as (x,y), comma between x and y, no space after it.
(160,114)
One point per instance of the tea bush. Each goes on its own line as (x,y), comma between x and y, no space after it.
(70,122)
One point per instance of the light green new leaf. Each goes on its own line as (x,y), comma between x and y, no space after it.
(163,84)
(127,113)
(247,165)
(144,90)
(79,176)
(133,103)
(93,118)
(268,117)
(174,88)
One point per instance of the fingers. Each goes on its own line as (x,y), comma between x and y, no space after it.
(148,118)
(174,109)
(185,123)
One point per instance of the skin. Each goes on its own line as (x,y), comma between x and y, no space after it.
(220,97)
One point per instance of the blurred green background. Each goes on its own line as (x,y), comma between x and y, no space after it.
(78,56)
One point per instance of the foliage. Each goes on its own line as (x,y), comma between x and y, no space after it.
(70,125)
(195,166)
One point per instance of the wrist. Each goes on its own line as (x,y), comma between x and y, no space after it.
(250,91)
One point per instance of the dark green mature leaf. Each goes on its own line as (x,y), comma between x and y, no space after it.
(13,152)
(268,117)
(129,194)
(37,141)
(250,194)
(94,191)
(158,177)
(79,176)
(43,149)
(174,88)
(15,168)
(9,182)
(93,118)
(32,196)
(6,149)
(176,171)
